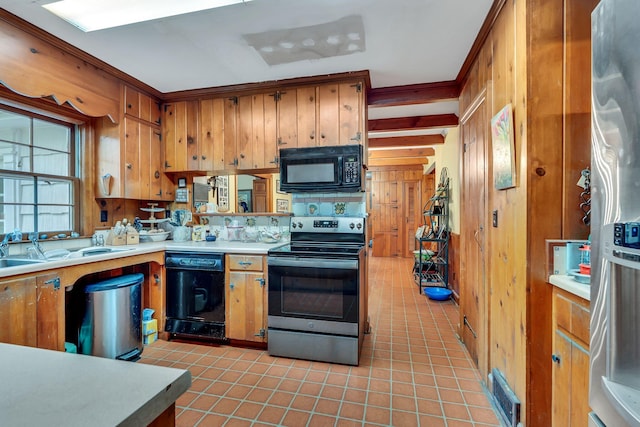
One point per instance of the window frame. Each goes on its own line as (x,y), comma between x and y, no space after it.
(74,163)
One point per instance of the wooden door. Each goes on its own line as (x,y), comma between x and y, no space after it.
(245,307)
(260,196)
(411,216)
(473,293)
(18,323)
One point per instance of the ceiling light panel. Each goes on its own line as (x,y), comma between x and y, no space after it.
(92,15)
(342,37)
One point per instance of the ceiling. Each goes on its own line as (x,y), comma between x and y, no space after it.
(400,42)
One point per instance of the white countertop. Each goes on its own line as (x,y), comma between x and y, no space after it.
(219,246)
(51,388)
(568,283)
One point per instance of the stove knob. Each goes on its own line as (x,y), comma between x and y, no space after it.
(351,226)
(299,225)
(293,225)
(359,226)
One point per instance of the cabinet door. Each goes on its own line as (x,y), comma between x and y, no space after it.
(50,312)
(245,314)
(244,141)
(271,148)
(561,380)
(175,136)
(351,118)
(159,185)
(306,116)
(328,115)
(212,133)
(192,134)
(134,187)
(131,102)
(579,386)
(259,143)
(287,119)
(18,323)
(229,153)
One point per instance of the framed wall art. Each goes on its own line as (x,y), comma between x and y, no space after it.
(503,148)
(282,205)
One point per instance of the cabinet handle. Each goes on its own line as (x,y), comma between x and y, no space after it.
(243,263)
(261,281)
(156,175)
(204,157)
(190,140)
(234,163)
(195,157)
(281,142)
(129,106)
(262,333)
(274,161)
(231,286)
(129,165)
(555,358)
(313,135)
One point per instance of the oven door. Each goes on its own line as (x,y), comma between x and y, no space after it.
(314,294)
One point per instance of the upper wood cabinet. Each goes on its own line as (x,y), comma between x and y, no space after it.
(132,151)
(245,132)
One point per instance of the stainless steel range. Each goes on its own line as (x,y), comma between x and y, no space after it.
(316,291)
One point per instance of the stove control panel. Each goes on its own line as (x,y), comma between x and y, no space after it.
(348,225)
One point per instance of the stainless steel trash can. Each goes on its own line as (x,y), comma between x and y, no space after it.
(112,324)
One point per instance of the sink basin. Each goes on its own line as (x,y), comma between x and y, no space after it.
(15,262)
(97,250)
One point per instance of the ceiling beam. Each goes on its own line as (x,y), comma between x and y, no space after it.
(422,93)
(398,162)
(405,141)
(413,123)
(406,152)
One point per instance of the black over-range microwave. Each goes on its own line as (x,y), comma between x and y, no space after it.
(321,169)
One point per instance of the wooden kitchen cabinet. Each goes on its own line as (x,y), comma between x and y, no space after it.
(131,151)
(18,312)
(29,311)
(180,134)
(570,359)
(330,114)
(246,298)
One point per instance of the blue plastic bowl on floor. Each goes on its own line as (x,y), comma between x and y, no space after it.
(438,294)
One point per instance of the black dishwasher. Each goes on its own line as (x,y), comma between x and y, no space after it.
(195,294)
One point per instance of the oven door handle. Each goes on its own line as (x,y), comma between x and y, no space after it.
(343,264)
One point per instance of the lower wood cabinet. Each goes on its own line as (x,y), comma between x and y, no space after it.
(246,298)
(570,359)
(29,311)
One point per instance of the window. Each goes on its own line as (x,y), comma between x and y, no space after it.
(37,173)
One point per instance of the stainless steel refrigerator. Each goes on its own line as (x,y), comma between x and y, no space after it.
(614,393)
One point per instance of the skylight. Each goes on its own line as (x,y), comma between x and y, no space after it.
(92,15)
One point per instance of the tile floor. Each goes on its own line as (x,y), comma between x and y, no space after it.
(413,372)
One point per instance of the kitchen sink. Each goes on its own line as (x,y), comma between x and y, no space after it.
(15,262)
(97,250)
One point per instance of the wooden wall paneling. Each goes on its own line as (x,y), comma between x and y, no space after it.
(577,114)
(542,180)
(34,67)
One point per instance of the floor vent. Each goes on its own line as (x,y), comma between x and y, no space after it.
(506,401)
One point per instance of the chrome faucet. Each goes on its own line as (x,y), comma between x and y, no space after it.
(4,246)
(39,252)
